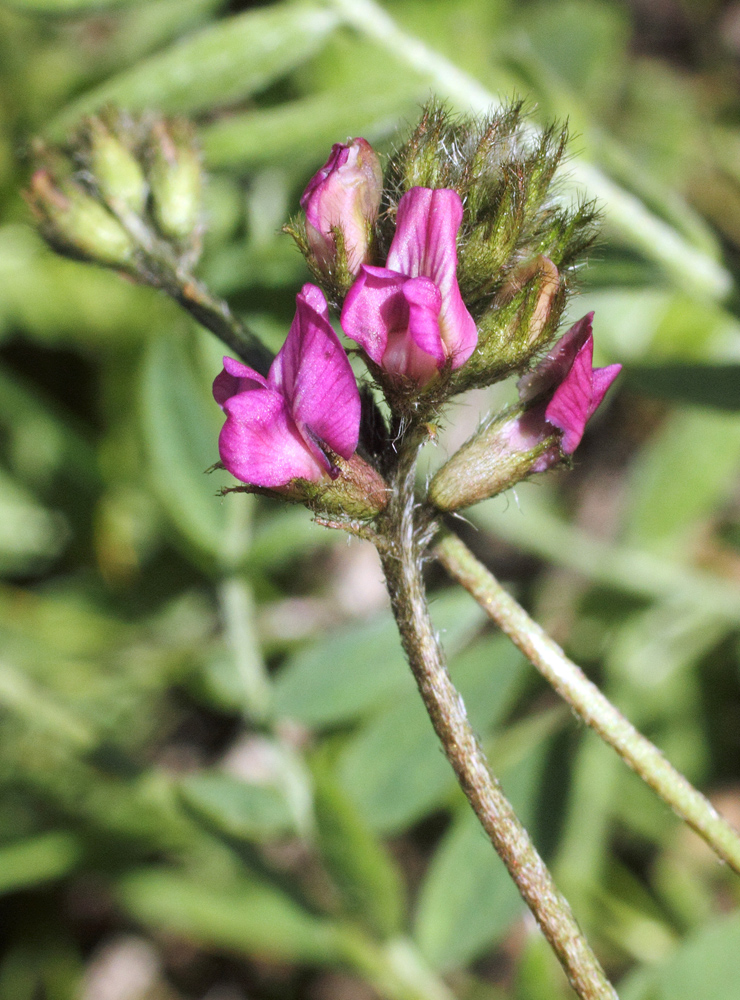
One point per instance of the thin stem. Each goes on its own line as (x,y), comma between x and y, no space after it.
(585,698)
(160,267)
(689,266)
(400,552)
(215,315)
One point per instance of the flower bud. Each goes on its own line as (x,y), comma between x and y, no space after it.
(341,204)
(505,450)
(557,400)
(74,223)
(116,171)
(176,180)
(518,324)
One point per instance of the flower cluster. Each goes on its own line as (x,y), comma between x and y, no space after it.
(405,267)
(125,193)
(447,271)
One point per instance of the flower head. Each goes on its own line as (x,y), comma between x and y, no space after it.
(409,316)
(344,195)
(277,428)
(557,400)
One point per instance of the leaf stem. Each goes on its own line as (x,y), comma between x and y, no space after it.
(591,705)
(401,547)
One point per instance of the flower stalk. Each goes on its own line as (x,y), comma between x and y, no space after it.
(587,700)
(401,545)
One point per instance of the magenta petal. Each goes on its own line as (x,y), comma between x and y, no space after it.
(570,406)
(575,401)
(418,351)
(530,429)
(602,378)
(235,378)
(457,327)
(425,243)
(425,301)
(337,158)
(426,234)
(344,194)
(554,367)
(314,375)
(260,444)
(374,308)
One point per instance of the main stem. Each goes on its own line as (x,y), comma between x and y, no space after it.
(585,698)
(401,549)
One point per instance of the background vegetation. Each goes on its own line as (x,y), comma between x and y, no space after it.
(163,836)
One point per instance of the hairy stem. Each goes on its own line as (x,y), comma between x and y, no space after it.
(159,266)
(401,549)
(591,705)
(215,314)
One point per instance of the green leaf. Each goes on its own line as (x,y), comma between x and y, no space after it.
(30,535)
(707,965)
(44,443)
(681,477)
(301,130)
(66,6)
(221,64)
(716,385)
(468,900)
(532,525)
(149,26)
(287,534)
(539,975)
(246,811)
(38,859)
(356,668)
(246,917)
(370,883)
(62,302)
(181,434)
(394,770)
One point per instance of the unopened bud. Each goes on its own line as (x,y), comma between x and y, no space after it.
(341,204)
(116,171)
(506,449)
(74,223)
(176,180)
(519,323)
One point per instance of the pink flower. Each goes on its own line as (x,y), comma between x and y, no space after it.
(277,427)
(409,316)
(344,194)
(557,400)
(569,390)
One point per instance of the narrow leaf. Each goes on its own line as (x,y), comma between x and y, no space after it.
(221,64)
(358,667)
(247,917)
(369,881)
(38,859)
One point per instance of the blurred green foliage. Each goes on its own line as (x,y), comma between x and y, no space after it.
(215,772)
